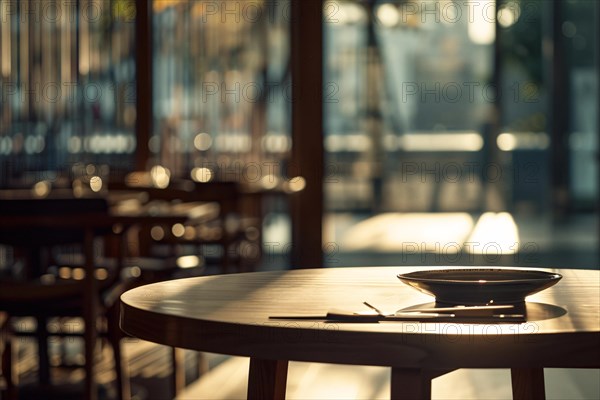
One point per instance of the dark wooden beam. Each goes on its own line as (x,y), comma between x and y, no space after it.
(597,210)
(307,131)
(143,90)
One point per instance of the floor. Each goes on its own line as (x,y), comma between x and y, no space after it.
(328,381)
(226,379)
(149,368)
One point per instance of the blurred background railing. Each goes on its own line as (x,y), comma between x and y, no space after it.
(68,86)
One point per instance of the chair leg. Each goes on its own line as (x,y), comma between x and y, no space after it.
(90,314)
(115,335)
(122,379)
(44,359)
(202,363)
(8,370)
(90,353)
(178,370)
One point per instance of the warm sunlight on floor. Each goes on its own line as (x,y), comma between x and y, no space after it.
(330,381)
(447,233)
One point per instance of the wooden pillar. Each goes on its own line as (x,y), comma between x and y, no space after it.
(597,210)
(143,89)
(307,132)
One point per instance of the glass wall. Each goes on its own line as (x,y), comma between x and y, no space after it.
(460,118)
(222,88)
(580,29)
(221,91)
(68,87)
(415,83)
(222,105)
(526,75)
(444,142)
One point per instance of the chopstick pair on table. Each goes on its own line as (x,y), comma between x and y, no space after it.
(475,314)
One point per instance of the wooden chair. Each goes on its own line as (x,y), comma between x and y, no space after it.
(35,293)
(209,206)
(225,225)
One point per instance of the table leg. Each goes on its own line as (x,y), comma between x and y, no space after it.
(178,370)
(267,379)
(528,383)
(408,383)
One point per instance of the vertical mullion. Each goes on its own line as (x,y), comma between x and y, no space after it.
(307,132)
(560,117)
(495,124)
(143,69)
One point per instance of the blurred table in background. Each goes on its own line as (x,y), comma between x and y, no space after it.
(34,228)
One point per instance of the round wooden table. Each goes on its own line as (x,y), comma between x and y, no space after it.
(229,314)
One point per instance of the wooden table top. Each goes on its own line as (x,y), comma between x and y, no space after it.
(90,219)
(229,314)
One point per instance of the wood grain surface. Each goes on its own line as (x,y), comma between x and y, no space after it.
(230,314)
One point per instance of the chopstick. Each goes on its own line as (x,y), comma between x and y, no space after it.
(476,314)
(373,308)
(462,310)
(343,316)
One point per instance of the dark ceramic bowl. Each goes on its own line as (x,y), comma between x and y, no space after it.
(476,286)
